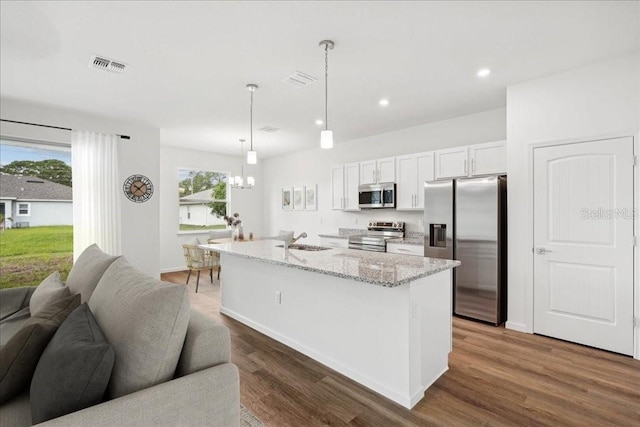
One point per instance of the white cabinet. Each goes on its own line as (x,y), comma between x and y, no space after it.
(405,249)
(451,163)
(344,187)
(378,171)
(412,171)
(472,160)
(488,159)
(334,242)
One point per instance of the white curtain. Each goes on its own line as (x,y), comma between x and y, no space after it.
(96,191)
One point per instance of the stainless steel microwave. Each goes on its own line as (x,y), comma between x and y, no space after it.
(376,196)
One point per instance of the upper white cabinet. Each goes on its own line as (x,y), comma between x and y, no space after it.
(344,187)
(378,171)
(412,171)
(488,159)
(451,163)
(473,160)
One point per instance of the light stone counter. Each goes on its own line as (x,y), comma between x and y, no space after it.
(383,269)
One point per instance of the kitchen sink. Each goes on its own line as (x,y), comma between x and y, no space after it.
(304,247)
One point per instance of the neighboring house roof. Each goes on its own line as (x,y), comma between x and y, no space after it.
(32,188)
(203,196)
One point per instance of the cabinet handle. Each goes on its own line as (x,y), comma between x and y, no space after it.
(403,250)
(473,165)
(373,175)
(465,166)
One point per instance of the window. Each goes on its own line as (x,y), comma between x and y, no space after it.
(24,209)
(202,200)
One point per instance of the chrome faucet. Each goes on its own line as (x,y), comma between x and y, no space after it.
(302,235)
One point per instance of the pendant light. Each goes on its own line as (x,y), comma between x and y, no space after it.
(238,181)
(252,156)
(326,136)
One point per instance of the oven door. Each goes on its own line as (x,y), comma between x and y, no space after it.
(370,197)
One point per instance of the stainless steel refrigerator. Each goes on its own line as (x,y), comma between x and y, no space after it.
(466,219)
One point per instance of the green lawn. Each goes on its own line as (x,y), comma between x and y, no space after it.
(28,255)
(188,227)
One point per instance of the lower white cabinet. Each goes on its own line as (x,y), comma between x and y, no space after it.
(334,242)
(405,249)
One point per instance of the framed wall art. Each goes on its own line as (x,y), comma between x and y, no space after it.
(286,198)
(310,201)
(298,198)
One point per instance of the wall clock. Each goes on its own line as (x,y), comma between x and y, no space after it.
(138,188)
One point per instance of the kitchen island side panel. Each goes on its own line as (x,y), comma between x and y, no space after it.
(373,334)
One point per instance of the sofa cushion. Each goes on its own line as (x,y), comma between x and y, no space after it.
(145,320)
(87,271)
(16,412)
(20,355)
(9,326)
(74,369)
(12,300)
(51,289)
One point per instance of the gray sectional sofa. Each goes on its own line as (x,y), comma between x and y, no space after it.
(171,364)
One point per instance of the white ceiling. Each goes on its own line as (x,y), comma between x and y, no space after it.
(190,61)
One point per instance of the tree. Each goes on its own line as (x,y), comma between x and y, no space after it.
(199,181)
(219,192)
(52,170)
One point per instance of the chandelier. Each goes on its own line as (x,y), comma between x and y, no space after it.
(238,181)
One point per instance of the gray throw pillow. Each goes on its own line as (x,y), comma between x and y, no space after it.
(145,321)
(19,356)
(87,271)
(74,370)
(51,289)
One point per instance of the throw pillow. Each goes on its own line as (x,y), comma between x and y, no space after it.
(87,271)
(145,321)
(51,289)
(20,355)
(74,370)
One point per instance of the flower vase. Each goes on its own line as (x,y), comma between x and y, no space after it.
(240,232)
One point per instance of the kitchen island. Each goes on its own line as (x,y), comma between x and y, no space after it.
(383,320)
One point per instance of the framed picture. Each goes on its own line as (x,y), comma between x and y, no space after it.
(286,199)
(310,202)
(298,198)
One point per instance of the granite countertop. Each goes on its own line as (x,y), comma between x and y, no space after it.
(383,269)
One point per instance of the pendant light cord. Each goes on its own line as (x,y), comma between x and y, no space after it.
(251,121)
(326,87)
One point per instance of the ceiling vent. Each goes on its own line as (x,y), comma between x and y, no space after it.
(268,129)
(299,79)
(106,64)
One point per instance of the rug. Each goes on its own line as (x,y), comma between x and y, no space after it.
(247,419)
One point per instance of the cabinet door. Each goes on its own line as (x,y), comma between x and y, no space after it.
(406,167)
(399,248)
(386,170)
(337,187)
(451,163)
(425,173)
(489,158)
(368,172)
(351,182)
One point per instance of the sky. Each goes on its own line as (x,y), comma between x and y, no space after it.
(10,153)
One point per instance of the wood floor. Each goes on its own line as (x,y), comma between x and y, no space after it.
(496,377)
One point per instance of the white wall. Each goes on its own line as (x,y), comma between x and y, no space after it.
(248,203)
(601,99)
(314,167)
(139,155)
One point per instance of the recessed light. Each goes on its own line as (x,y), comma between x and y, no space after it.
(483,72)
(384,102)
(319,122)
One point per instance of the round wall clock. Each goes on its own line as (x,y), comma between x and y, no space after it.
(138,188)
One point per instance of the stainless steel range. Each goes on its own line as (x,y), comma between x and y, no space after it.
(377,235)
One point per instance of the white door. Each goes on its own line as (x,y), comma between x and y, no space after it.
(337,187)
(425,173)
(583,243)
(407,168)
(351,182)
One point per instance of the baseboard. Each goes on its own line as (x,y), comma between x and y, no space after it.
(173,270)
(520,327)
(396,396)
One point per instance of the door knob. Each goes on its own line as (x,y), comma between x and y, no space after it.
(542,251)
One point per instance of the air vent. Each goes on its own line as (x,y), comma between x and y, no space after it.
(299,79)
(268,129)
(106,64)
